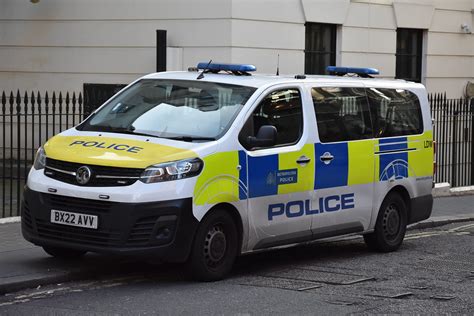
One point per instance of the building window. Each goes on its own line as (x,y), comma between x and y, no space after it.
(320,47)
(409,54)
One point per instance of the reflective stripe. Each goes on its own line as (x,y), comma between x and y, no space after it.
(361,162)
(219,180)
(421,159)
(304,173)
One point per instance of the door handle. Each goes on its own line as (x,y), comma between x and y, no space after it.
(326,158)
(303,160)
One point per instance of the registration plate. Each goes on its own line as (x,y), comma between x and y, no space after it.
(74,219)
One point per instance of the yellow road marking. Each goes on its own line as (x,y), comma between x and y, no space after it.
(424,236)
(419,234)
(455,229)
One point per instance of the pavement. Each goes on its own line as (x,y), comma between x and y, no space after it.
(23,265)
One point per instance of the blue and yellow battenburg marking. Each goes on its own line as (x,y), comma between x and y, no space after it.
(422,156)
(354,163)
(393,158)
(220,180)
(403,157)
(279,174)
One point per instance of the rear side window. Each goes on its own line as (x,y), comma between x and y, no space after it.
(282,109)
(395,112)
(342,114)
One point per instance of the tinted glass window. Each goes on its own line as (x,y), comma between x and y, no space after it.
(281,109)
(342,114)
(395,112)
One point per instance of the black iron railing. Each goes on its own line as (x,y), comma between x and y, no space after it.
(454,135)
(27,121)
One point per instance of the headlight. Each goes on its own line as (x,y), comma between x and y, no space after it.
(172,171)
(40,159)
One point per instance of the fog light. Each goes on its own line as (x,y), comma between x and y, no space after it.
(163,233)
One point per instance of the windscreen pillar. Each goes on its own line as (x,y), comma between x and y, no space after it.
(160,50)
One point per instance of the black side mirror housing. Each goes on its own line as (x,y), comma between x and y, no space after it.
(266,137)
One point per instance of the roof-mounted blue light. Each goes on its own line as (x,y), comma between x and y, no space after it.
(362,72)
(216,67)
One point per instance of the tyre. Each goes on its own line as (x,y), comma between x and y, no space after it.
(64,253)
(215,247)
(391,225)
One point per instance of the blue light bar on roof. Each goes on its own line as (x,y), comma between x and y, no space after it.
(352,70)
(226,67)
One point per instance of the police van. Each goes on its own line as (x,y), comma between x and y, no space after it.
(205,165)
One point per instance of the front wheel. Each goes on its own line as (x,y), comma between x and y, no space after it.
(391,225)
(64,253)
(215,247)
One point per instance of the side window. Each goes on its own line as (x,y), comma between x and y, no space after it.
(282,109)
(395,112)
(342,114)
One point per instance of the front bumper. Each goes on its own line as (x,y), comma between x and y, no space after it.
(162,229)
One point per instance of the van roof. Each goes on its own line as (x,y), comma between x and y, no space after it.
(260,80)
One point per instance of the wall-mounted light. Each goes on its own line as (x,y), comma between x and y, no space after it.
(34,1)
(466,28)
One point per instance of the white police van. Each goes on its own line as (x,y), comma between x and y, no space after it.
(205,165)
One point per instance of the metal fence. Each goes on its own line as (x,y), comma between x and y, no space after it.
(28,120)
(454,136)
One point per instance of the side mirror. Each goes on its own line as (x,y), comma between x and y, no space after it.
(266,137)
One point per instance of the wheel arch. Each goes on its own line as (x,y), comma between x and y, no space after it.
(403,192)
(234,213)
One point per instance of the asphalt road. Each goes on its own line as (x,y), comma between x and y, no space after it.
(432,273)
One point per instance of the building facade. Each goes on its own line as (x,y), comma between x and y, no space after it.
(61,44)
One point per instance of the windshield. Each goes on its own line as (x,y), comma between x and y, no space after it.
(177,109)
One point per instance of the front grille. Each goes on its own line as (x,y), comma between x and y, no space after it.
(114,176)
(141,231)
(71,204)
(77,234)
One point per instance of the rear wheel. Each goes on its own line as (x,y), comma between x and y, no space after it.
(64,253)
(391,225)
(215,247)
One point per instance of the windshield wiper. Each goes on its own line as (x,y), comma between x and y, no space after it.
(190,138)
(123,130)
